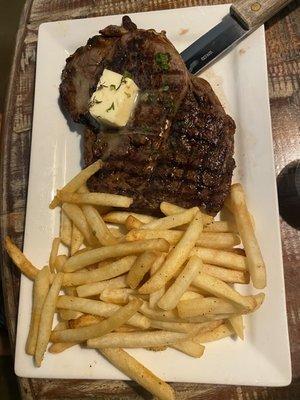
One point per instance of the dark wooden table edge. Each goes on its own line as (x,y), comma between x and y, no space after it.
(24,383)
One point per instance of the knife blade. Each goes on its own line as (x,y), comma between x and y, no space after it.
(245,16)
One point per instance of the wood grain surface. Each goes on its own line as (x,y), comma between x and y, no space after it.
(283,68)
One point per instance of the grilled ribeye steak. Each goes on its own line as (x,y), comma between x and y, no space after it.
(178,144)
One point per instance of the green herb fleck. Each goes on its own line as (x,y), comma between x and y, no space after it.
(123,79)
(163,61)
(94,101)
(112,87)
(112,107)
(165,87)
(145,128)
(128,94)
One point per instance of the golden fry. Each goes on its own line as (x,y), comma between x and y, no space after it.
(109,271)
(98,226)
(120,217)
(139,269)
(77,217)
(172,296)
(155,296)
(221,289)
(171,209)
(118,318)
(119,250)
(46,319)
(99,308)
(221,258)
(136,371)
(79,180)
(176,258)
(92,289)
(53,254)
(19,259)
(172,221)
(77,239)
(136,339)
(65,229)
(218,333)
(95,199)
(256,263)
(40,291)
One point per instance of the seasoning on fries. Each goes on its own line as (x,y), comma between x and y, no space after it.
(148,282)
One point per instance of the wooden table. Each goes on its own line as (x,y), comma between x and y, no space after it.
(283,69)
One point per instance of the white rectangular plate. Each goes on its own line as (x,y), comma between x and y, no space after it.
(240,80)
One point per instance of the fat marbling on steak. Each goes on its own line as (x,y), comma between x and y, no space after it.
(178,145)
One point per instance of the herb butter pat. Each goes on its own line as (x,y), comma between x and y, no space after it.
(114,100)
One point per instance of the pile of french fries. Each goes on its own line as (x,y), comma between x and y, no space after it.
(131,280)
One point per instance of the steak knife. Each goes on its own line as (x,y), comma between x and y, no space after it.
(244,17)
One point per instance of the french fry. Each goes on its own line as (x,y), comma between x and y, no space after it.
(172,296)
(118,318)
(77,239)
(92,289)
(19,259)
(98,226)
(259,299)
(171,209)
(190,348)
(53,253)
(172,221)
(116,231)
(56,348)
(99,308)
(221,289)
(46,319)
(61,325)
(140,267)
(184,327)
(225,274)
(221,258)
(65,229)
(241,252)
(40,291)
(220,226)
(84,320)
(67,315)
(206,305)
(70,291)
(176,258)
(95,199)
(117,296)
(109,271)
(59,262)
(237,325)
(218,333)
(133,223)
(160,315)
(77,217)
(120,217)
(136,371)
(136,339)
(189,295)
(206,239)
(256,263)
(155,296)
(80,179)
(119,250)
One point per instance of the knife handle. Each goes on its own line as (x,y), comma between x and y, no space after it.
(252,13)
